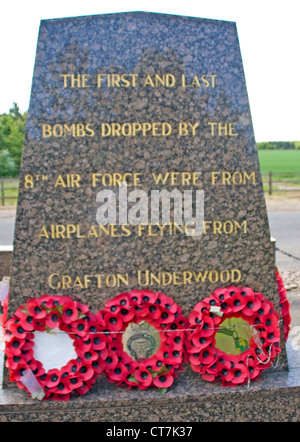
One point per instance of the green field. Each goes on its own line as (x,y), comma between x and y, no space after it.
(282,161)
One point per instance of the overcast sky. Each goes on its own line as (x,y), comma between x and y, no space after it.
(268,32)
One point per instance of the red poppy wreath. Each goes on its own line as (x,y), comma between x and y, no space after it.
(145,338)
(234,336)
(284,304)
(55,317)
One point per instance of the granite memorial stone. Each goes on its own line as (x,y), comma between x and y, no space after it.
(131,117)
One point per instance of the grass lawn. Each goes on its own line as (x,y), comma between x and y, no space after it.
(283,161)
(285,166)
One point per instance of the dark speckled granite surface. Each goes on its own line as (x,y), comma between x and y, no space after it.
(207,54)
(200,62)
(273,398)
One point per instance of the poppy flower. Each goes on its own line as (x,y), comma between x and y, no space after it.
(126,360)
(202,307)
(195,318)
(111,361)
(226,305)
(207,326)
(240,374)
(221,294)
(198,368)
(100,318)
(284,304)
(35,309)
(27,355)
(98,366)
(285,308)
(86,372)
(70,368)
(47,300)
(144,378)
(231,291)
(79,327)
(227,374)
(20,313)
(286,328)
(103,354)
(84,388)
(156,362)
(173,356)
(89,356)
(85,343)
(37,368)
(27,323)
(164,380)
(17,330)
(52,378)
(126,315)
(151,311)
(39,325)
(98,341)
(75,382)
(135,296)
(118,373)
(62,388)
(251,363)
(166,317)
(194,358)
(17,373)
(238,302)
(82,308)
(208,355)
(208,377)
(176,340)
(273,335)
(153,298)
(270,322)
(114,322)
(200,341)
(166,302)
(70,312)
(247,292)
(58,397)
(188,344)
(14,346)
(131,381)
(52,320)
(118,302)
(264,309)
(252,306)
(13,362)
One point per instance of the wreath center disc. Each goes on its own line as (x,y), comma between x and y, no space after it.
(140,341)
(53,350)
(234,336)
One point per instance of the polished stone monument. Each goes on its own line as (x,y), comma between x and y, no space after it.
(124,107)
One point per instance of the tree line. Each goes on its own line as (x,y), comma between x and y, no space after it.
(12,130)
(282,145)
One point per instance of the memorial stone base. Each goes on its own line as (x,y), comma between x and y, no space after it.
(273,398)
